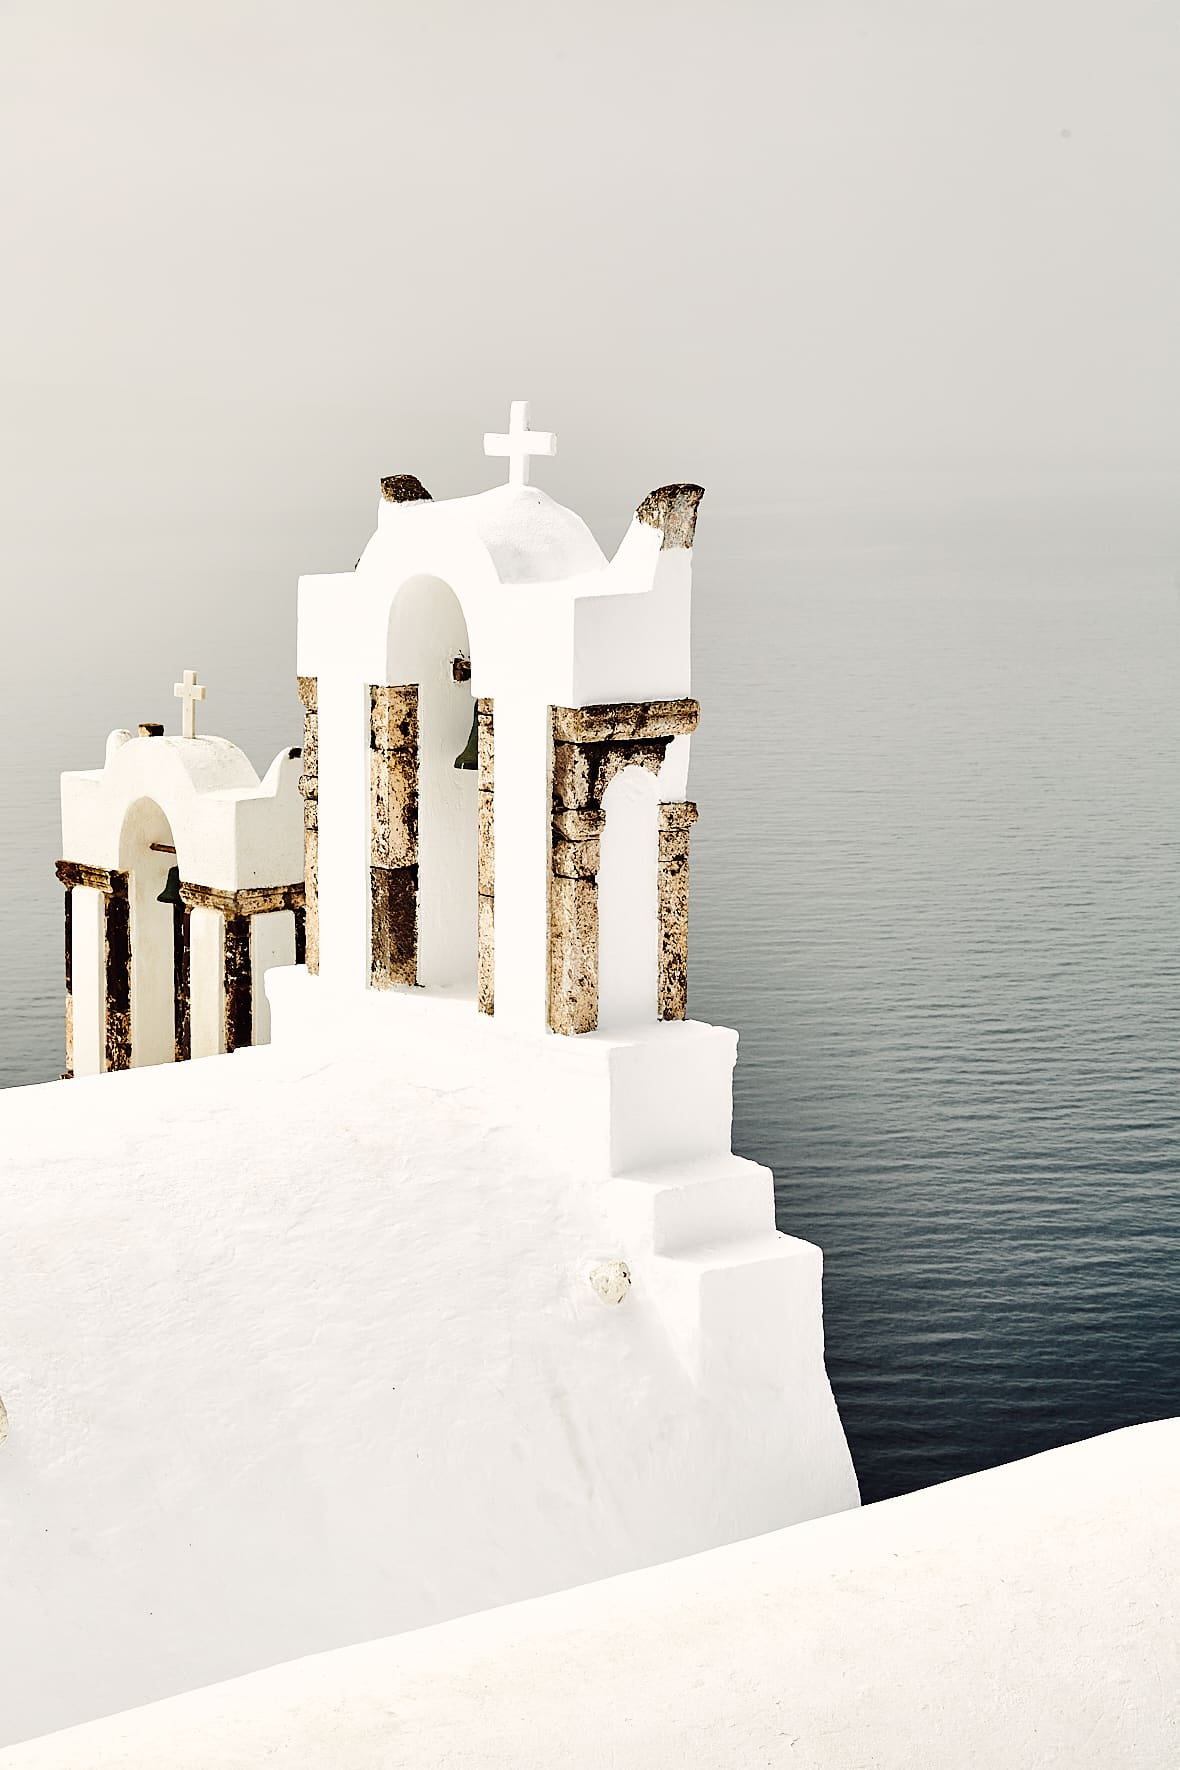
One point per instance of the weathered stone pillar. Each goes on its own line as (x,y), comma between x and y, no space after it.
(573,919)
(181,982)
(676,821)
(118,973)
(393,853)
(237,910)
(590,746)
(487,859)
(116,959)
(69,931)
(238,984)
(309,785)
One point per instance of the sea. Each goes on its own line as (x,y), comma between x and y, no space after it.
(935,887)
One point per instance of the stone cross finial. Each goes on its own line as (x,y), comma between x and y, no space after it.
(520,443)
(190,691)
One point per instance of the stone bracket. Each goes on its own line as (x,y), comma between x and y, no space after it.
(251,900)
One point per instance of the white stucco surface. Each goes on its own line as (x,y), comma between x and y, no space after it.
(300,1348)
(1025,1617)
(518,584)
(230,829)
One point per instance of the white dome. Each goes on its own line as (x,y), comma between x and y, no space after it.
(530,538)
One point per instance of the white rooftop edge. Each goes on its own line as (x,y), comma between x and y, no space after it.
(1023,1617)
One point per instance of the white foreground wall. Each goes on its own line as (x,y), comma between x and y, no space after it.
(1026,1617)
(299,1347)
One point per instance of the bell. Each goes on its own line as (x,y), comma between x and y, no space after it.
(469,757)
(171,891)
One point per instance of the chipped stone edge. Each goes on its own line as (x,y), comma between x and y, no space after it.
(404,488)
(673,510)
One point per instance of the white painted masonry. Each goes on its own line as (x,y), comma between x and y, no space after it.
(1027,1617)
(300,1346)
(230,830)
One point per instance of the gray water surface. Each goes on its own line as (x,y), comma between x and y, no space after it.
(935,888)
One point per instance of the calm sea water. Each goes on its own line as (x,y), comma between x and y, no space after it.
(935,887)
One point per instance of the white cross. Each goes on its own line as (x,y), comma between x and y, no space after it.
(520,443)
(190,691)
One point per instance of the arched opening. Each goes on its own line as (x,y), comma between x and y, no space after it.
(147,853)
(628,908)
(427,634)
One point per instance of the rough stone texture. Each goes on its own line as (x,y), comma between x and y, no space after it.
(117,944)
(394,718)
(486,861)
(77,872)
(251,900)
(676,821)
(393,834)
(624,722)
(576,860)
(461,669)
(591,746)
(403,488)
(487,955)
(239,984)
(577,826)
(573,955)
(181,982)
(486,855)
(117,957)
(393,776)
(69,955)
(309,787)
(672,510)
(395,926)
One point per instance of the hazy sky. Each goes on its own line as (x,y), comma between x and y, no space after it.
(257,255)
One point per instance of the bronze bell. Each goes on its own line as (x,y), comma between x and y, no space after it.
(469,757)
(171,891)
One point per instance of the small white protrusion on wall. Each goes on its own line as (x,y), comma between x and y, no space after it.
(116,740)
(610,1280)
(3,1421)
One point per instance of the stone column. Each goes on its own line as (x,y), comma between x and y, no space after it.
(237,910)
(573,920)
(238,983)
(69,931)
(590,746)
(487,859)
(118,973)
(116,958)
(676,821)
(181,987)
(393,852)
(308,936)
